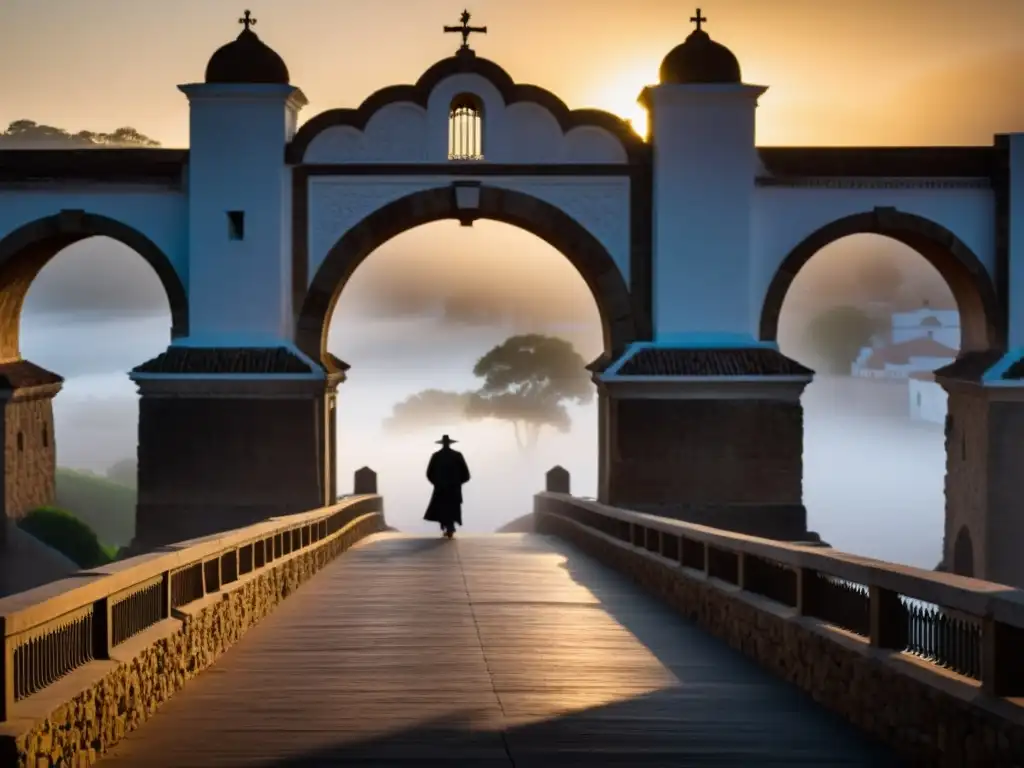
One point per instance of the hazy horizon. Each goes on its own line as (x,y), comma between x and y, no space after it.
(872,485)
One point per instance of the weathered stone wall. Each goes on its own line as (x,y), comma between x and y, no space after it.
(682,458)
(260,455)
(708,444)
(967,427)
(29,454)
(922,722)
(80,731)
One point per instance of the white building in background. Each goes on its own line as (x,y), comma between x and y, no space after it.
(941,325)
(900,360)
(917,342)
(928,400)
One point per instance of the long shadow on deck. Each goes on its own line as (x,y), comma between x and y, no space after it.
(724,712)
(513,650)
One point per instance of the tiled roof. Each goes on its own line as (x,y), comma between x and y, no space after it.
(754,361)
(21,373)
(900,354)
(219,360)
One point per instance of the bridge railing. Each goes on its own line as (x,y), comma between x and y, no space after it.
(50,631)
(954,624)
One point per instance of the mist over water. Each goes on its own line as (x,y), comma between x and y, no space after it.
(873,481)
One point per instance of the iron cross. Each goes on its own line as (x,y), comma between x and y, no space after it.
(247,20)
(698,19)
(465,30)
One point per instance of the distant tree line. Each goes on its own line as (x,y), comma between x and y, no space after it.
(28,134)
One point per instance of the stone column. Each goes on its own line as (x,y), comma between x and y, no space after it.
(984,526)
(709,435)
(29,445)
(229,437)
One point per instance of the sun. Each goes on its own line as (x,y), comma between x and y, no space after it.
(619,91)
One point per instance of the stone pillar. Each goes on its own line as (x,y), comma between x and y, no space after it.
(364,482)
(708,435)
(984,527)
(29,445)
(227,438)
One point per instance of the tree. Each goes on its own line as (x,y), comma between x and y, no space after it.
(836,336)
(430,408)
(527,380)
(125,472)
(880,279)
(28,134)
(67,534)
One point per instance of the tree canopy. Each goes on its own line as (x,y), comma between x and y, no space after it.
(836,336)
(28,134)
(880,279)
(67,534)
(430,408)
(527,381)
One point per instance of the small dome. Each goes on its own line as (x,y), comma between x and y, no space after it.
(246,59)
(700,60)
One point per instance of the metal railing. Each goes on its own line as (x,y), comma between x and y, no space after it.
(968,626)
(59,627)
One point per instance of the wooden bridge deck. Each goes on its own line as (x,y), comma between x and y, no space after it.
(499,650)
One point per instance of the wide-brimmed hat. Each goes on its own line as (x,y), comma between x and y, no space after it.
(445,440)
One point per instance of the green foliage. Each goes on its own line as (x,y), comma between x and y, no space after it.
(28,133)
(67,534)
(881,279)
(124,472)
(106,506)
(836,336)
(430,408)
(527,381)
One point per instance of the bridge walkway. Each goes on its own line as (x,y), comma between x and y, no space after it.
(492,650)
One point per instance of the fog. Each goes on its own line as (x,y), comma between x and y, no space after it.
(420,311)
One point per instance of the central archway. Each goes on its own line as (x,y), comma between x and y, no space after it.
(579,246)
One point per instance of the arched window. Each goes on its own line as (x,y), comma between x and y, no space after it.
(46,437)
(465,128)
(21,441)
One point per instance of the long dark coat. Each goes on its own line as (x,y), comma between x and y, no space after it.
(447,472)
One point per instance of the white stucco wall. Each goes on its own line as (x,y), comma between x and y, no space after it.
(158,212)
(704,166)
(928,401)
(784,216)
(599,204)
(239,290)
(523,132)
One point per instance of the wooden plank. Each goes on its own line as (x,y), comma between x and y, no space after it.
(497,650)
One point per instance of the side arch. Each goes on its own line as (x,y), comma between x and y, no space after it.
(590,258)
(27,249)
(963,553)
(982,318)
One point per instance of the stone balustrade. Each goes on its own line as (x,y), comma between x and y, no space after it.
(929,663)
(88,658)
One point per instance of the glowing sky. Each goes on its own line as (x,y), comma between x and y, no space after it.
(869,72)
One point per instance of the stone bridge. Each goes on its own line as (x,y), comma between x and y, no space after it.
(603,637)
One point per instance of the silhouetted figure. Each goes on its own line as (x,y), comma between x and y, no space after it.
(447,472)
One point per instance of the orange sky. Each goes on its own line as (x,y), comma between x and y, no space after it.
(870,72)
